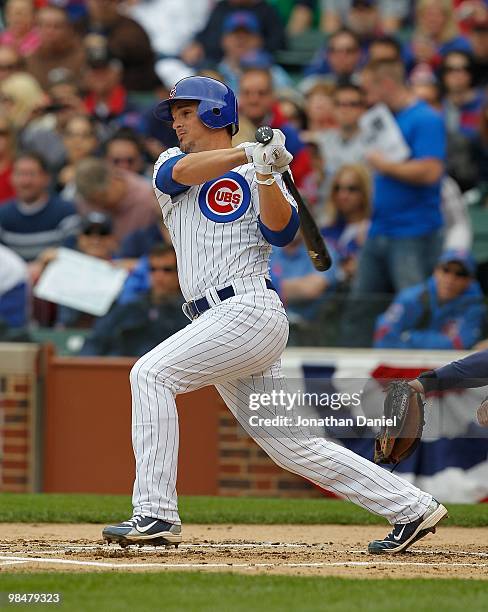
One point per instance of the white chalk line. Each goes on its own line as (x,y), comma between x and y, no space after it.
(417,551)
(13,562)
(111,565)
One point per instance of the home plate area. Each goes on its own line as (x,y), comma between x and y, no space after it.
(454,552)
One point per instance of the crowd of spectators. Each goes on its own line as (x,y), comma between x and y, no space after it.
(78,138)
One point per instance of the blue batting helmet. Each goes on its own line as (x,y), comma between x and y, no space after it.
(218,104)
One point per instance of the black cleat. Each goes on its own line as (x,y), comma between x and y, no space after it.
(404,535)
(143,530)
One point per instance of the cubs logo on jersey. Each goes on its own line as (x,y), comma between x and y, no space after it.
(226,198)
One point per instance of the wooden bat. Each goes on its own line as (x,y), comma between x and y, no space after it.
(314,241)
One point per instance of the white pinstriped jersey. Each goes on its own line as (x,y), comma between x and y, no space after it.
(214,228)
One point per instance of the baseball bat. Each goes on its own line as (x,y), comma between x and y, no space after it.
(314,241)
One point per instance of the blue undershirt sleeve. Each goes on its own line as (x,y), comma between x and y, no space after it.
(284,236)
(470,372)
(164,178)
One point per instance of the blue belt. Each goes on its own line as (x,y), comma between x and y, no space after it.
(195,308)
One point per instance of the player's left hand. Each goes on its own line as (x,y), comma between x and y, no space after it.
(482,413)
(278,138)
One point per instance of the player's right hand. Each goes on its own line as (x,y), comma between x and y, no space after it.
(269,157)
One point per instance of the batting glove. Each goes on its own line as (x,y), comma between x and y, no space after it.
(269,157)
(283,162)
(278,138)
(248,149)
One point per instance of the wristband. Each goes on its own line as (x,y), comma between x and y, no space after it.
(269,181)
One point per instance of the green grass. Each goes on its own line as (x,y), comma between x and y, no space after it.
(235,593)
(77,508)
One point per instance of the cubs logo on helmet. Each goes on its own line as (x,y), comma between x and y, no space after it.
(225,199)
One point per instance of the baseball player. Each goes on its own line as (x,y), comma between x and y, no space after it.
(468,373)
(224,208)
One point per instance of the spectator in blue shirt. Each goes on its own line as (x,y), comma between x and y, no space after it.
(301,287)
(404,240)
(445,312)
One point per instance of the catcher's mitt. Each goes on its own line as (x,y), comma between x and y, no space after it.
(404,406)
(482,413)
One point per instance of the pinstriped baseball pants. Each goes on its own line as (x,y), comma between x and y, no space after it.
(237,345)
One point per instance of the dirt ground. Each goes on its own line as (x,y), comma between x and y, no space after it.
(453,552)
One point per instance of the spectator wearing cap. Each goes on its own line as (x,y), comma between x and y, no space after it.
(59,46)
(445,312)
(257,103)
(243,46)
(136,327)
(14,290)
(20,32)
(126,41)
(96,239)
(340,60)
(337,13)
(126,196)
(206,46)
(106,98)
(344,144)
(364,19)
(35,219)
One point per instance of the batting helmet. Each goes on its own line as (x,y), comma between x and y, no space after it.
(218,104)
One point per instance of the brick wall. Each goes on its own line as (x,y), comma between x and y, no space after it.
(18,416)
(246,470)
